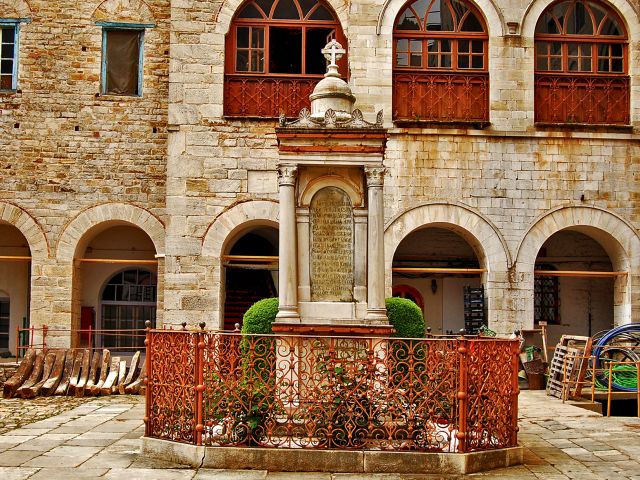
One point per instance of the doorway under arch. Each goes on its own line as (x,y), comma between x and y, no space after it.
(15,284)
(250,272)
(115,286)
(574,284)
(438,263)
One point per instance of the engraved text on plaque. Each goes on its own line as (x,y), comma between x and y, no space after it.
(331,246)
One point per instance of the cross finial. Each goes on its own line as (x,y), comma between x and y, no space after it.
(333,52)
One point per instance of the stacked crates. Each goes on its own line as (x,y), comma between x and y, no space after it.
(474,316)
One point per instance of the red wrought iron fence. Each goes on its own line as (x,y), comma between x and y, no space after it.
(442,97)
(431,395)
(582,99)
(266,96)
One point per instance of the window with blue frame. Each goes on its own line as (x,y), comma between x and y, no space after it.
(122,55)
(8,56)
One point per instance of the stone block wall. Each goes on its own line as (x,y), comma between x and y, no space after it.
(66,147)
(510,177)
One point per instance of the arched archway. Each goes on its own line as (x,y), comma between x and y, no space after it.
(96,244)
(15,281)
(228,227)
(488,248)
(613,236)
(441,265)
(250,271)
(573,285)
(110,293)
(24,251)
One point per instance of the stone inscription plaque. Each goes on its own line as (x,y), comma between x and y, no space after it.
(331,246)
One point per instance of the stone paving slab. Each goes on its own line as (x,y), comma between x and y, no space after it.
(101,439)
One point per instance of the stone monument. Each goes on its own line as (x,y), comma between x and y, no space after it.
(331,176)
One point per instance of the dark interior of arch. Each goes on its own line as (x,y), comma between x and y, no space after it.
(245,286)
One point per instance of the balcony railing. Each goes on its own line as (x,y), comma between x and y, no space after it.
(582,99)
(266,96)
(430,395)
(441,97)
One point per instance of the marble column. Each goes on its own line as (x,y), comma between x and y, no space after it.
(288,269)
(376,309)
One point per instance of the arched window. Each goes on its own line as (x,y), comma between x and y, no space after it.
(581,65)
(440,63)
(273,59)
(128,301)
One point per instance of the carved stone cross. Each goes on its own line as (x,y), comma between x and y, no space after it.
(333,52)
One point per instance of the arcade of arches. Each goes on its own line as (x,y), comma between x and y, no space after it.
(577,286)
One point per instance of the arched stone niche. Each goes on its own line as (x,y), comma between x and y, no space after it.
(332,242)
(127,11)
(14,9)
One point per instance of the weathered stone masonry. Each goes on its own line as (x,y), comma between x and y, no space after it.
(170,160)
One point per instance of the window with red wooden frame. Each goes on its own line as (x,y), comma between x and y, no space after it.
(581,64)
(273,56)
(440,56)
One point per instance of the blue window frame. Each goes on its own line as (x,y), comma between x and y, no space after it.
(9,54)
(122,58)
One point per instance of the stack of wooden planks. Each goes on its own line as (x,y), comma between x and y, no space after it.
(76,373)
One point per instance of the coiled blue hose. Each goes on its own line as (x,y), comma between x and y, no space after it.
(601,346)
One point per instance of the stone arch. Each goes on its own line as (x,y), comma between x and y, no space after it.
(231,222)
(109,213)
(226,228)
(481,234)
(349,187)
(229,8)
(14,9)
(483,237)
(29,227)
(129,11)
(616,236)
(492,15)
(627,11)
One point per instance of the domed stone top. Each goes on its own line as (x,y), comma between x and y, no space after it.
(332,92)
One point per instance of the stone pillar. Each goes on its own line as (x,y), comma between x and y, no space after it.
(360,255)
(304,247)
(376,309)
(288,270)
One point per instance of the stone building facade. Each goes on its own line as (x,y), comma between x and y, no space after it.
(160,187)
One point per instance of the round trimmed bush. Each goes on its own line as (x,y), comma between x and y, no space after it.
(406,317)
(260,316)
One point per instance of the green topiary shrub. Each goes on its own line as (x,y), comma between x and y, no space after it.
(406,317)
(260,316)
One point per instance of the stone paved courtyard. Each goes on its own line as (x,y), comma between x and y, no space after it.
(100,438)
